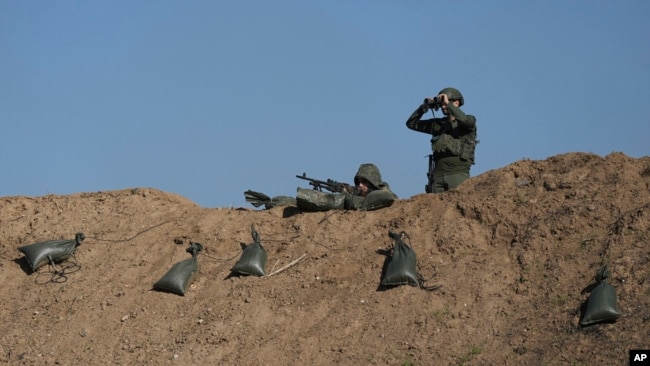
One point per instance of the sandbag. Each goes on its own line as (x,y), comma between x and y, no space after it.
(179,277)
(602,305)
(40,253)
(401,267)
(278,201)
(253,258)
(258,199)
(313,200)
(376,200)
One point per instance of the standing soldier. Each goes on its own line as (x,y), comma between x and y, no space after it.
(453,139)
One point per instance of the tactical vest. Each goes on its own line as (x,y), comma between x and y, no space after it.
(449,140)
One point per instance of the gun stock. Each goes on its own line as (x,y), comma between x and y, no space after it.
(430,175)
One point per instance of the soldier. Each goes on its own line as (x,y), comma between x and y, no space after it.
(369,193)
(453,139)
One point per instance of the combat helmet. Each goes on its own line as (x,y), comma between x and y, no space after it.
(371,173)
(453,93)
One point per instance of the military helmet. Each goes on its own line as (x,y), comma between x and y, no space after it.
(369,172)
(454,94)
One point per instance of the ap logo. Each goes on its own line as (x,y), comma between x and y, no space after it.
(639,357)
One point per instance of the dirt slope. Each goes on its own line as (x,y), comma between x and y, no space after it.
(513,249)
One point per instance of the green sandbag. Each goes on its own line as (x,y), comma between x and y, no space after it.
(253,258)
(40,253)
(602,305)
(313,200)
(258,199)
(401,267)
(373,201)
(178,278)
(278,201)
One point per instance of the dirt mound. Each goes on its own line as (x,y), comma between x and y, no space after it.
(513,250)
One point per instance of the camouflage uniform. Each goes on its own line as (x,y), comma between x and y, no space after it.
(380,196)
(453,144)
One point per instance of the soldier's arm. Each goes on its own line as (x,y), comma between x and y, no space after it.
(465,121)
(414,122)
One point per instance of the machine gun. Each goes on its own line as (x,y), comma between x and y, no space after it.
(329,184)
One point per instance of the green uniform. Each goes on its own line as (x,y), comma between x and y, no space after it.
(312,200)
(380,196)
(453,144)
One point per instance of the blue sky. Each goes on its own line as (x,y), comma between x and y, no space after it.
(207,99)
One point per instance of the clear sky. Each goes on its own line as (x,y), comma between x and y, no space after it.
(207,99)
